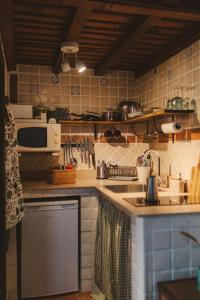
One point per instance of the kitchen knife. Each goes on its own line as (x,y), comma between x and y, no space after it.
(88,152)
(64,156)
(85,150)
(92,153)
(81,149)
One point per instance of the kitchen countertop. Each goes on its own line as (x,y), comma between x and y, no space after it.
(87,180)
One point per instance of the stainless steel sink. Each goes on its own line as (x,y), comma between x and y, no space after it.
(127,188)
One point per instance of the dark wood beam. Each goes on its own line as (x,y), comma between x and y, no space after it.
(187,38)
(133,7)
(122,45)
(41,10)
(136,8)
(83,12)
(7,34)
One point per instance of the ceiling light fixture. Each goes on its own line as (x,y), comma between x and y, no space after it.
(65,65)
(81,67)
(68,48)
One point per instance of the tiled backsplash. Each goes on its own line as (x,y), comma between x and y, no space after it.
(80,92)
(124,154)
(178,76)
(181,156)
(183,69)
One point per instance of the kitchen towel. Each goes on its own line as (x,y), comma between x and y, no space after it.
(112,267)
(14,195)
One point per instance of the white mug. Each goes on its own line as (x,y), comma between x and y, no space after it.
(143,174)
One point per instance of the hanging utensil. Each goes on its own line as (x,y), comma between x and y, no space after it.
(81,149)
(85,150)
(92,152)
(64,155)
(88,152)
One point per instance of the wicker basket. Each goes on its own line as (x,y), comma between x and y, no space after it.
(63,176)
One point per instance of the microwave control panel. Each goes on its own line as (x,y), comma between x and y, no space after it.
(56,137)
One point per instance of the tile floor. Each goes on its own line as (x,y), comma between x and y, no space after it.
(82,296)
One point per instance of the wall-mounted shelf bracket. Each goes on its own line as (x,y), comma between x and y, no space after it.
(96,131)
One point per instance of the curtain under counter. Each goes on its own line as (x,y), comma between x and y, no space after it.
(112,274)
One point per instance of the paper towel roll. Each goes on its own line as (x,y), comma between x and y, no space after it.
(173,127)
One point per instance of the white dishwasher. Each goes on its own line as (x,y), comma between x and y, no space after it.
(50,248)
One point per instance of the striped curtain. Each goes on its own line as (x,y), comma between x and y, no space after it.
(112,254)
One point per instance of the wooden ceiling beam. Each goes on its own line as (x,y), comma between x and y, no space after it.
(35,37)
(41,10)
(106,25)
(98,37)
(40,19)
(187,38)
(145,10)
(33,48)
(100,42)
(82,14)
(101,31)
(32,25)
(7,33)
(121,47)
(44,45)
(110,17)
(99,46)
(39,31)
(134,8)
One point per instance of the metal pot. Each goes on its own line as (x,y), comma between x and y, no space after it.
(40,108)
(111,115)
(128,106)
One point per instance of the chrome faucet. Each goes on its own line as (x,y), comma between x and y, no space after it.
(158,156)
(162,181)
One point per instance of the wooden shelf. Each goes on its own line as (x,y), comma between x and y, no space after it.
(137,119)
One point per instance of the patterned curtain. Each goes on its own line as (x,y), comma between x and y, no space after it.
(112,254)
(14,196)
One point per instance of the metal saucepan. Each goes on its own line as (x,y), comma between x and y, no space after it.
(111,115)
(127,106)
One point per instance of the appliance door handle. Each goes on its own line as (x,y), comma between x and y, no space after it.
(50,203)
(51,207)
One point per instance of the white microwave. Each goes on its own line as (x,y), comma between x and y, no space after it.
(38,137)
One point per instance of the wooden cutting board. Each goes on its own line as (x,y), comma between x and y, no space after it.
(194,187)
(197,194)
(191,180)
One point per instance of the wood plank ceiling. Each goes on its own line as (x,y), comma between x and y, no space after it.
(123,35)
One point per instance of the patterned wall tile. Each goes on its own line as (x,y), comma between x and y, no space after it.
(75,90)
(34,88)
